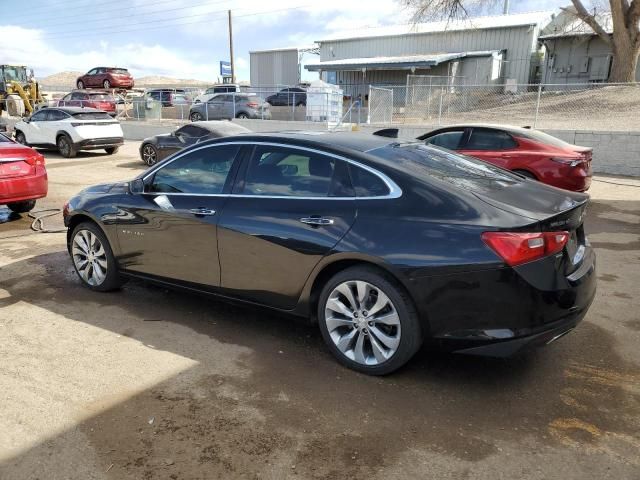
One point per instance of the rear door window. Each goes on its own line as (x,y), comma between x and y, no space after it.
(56,115)
(289,172)
(450,140)
(199,172)
(489,139)
(367,184)
(92,116)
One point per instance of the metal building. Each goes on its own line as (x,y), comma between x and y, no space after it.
(482,50)
(574,53)
(277,67)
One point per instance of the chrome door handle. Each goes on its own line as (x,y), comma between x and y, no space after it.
(317,221)
(202,211)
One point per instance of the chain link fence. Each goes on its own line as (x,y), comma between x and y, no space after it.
(593,106)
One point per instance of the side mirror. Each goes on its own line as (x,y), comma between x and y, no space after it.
(136,186)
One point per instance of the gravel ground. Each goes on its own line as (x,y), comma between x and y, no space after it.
(147,383)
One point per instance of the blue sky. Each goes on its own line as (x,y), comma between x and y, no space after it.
(183,38)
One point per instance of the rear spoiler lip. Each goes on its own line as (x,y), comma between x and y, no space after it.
(387,132)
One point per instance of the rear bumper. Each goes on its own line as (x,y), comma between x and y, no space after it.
(499,313)
(97,143)
(20,189)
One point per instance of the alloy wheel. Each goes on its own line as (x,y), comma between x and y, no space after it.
(362,322)
(106,84)
(149,155)
(63,146)
(80,85)
(89,257)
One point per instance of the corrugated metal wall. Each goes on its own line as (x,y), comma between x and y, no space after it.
(519,42)
(274,68)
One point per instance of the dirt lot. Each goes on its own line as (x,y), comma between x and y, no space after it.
(152,384)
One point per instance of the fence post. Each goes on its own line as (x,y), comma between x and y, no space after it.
(440,107)
(369,107)
(535,120)
(234,105)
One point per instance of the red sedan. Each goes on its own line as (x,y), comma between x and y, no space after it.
(23,176)
(531,153)
(89,99)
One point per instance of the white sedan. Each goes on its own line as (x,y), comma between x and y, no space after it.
(70,129)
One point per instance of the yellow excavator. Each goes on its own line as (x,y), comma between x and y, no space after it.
(19,92)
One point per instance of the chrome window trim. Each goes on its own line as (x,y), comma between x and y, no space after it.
(394,190)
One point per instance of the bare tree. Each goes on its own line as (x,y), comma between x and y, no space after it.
(624,41)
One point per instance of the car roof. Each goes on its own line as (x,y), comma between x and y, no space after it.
(84,90)
(497,126)
(359,142)
(221,126)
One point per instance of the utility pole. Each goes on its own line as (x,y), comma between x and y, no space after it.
(233,70)
(505,9)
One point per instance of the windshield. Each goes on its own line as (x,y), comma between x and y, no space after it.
(420,159)
(18,74)
(92,116)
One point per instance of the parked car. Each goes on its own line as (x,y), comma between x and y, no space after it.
(105,77)
(70,129)
(169,97)
(385,244)
(288,97)
(89,98)
(159,147)
(220,88)
(532,153)
(221,107)
(23,176)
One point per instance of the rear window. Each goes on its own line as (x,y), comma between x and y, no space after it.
(417,159)
(123,71)
(101,96)
(538,136)
(92,116)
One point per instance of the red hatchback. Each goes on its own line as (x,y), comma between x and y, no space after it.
(90,99)
(23,176)
(531,153)
(105,77)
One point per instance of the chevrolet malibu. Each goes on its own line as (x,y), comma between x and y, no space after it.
(386,245)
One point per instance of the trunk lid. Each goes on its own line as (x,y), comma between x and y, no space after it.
(17,161)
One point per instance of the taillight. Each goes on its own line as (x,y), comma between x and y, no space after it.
(35,160)
(253,105)
(516,248)
(572,162)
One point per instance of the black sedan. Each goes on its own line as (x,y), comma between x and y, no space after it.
(386,245)
(159,147)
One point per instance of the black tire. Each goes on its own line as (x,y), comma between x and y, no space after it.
(149,154)
(195,117)
(112,280)
(80,85)
(242,115)
(111,150)
(525,173)
(106,84)
(20,138)
(65,146)
(411,332)
(301,104)
(22,207)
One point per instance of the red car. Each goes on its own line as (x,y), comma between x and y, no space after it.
(91,99)
(105,77)
(23,176)
(531,153)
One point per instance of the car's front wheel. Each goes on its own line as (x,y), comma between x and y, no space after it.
(111,150)
(149,154)
(368,321)
(93,258)
(20,138)
(22,207)
(106,84)
(65,147)
(195,117)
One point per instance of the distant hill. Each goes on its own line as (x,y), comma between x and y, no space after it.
(68,80)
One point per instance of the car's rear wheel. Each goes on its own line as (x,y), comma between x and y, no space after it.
(111,150)
(65,146)
(22,207)
(368,321)
(242,115)
(106,84)
(93,258)
(301,104)
(80,84)
(195,117)
(149,154)
(20,138)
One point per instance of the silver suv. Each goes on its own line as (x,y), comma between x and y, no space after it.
(230,105)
